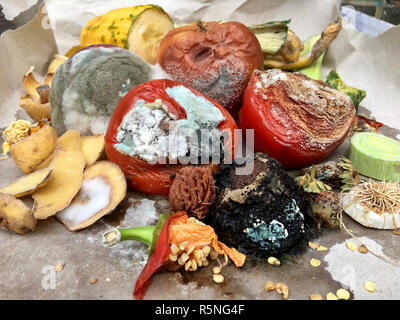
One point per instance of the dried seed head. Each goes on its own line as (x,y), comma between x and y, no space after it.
(218,278)
(269,286)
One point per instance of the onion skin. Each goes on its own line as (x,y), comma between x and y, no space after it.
(212,57)
(290,128)
(142,176)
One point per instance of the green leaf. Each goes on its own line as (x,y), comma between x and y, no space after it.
(355,94)
(314,71)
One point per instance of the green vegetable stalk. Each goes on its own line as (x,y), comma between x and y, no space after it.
(356,94)
(142,234)
(147,234)
(314,71)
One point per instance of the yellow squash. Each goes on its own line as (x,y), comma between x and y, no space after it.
(138,28)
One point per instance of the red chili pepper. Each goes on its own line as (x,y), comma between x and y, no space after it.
(371,122)
(179,229)
(142,176)
(157,260)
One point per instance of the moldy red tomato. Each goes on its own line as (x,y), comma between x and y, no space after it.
(296,120)
(142,176)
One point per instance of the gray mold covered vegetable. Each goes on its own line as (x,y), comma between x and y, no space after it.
(87,88)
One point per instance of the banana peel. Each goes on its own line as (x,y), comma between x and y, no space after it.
(313,71)
(36,101)
(281,61)
(57,61)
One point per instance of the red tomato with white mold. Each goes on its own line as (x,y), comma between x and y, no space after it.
(141,175)
(296,120)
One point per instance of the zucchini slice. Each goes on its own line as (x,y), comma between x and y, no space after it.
(147,31)
(271,35)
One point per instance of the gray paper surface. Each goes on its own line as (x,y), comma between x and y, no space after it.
(368,63)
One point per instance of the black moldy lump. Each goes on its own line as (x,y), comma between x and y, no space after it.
(260,214)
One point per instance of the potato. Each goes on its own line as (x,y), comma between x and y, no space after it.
(36,110)
(46,163)
(15,215)
(57,61)
(66,178)
(69,141)
(92,148)
(28,184)
(103,188)
(33,150)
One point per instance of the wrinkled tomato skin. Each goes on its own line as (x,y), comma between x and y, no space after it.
(142,176)
(280,137)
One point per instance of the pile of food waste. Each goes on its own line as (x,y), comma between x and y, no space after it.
(145,105)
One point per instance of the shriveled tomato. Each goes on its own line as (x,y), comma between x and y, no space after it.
(141,175)
(296,120)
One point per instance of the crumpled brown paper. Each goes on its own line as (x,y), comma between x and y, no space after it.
(368,63)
